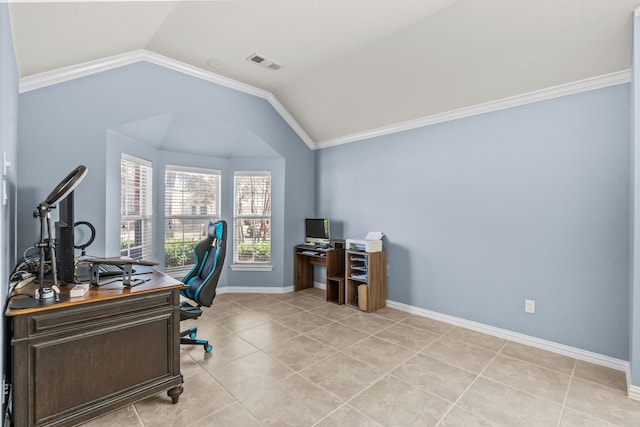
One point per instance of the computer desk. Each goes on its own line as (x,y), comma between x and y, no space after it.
(80,358)
(331,258)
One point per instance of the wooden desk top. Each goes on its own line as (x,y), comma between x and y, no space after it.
(156,281)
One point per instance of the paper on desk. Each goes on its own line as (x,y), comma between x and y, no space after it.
(374,235)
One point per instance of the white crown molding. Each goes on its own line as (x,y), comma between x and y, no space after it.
(38,81)
(572,88)
(61,75)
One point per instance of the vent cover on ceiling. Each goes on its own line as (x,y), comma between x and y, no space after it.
(264,62)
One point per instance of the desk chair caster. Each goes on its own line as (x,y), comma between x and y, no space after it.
(188,336)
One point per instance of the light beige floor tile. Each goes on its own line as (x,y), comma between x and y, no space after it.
(225,349)
(254,301)
(188,366)
(476,338)
(347,416)
(304,322)
(601,375)
(460,418)
(459,353)
(342,375)
(407,336)
(303,302)
(366,322)
(392,402)
(539,357)
(244,376)
(539,381)
(240,321)
(125,417)
(434,376)
(207,328)
(506,406)
(571,418)
(278,309)
(603,403)
(221,309)
(315,292)
(284,296)
(249,300)
(293,401)
(332,311)
(299,352)
(231,416)
(379,353)
(433,326)
(267,334)
(392,314)
(337,335)
(202,396)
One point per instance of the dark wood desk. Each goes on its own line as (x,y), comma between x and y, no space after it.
(80,358)
(331,258)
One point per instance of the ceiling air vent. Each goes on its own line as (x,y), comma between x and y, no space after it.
(264,62)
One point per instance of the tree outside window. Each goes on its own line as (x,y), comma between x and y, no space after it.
(252,217)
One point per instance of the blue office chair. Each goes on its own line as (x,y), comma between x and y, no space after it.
(202,280)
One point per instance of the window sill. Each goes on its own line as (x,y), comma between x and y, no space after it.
(251,267)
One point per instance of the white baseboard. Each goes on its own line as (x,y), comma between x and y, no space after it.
(576,353)
(634,392)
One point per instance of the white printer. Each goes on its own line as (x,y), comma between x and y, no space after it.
(372,242)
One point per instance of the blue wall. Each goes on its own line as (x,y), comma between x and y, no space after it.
(80,122)
(482,213)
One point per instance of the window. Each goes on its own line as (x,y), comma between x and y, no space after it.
(252,218)
(135,207)
(191,200)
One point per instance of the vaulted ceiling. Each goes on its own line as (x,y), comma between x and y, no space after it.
(346,66)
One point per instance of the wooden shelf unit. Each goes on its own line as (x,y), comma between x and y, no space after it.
(367,269)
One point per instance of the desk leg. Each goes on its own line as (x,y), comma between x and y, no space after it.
(303,272)
(174,393)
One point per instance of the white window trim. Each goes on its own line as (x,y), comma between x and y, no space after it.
(183,270)
(251,266)
(147,247)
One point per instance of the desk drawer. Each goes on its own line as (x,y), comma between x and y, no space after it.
(86,316)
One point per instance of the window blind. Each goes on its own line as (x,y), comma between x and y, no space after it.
(192,199)
(136,207)
(252,217)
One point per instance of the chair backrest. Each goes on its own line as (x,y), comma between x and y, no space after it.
(209,253)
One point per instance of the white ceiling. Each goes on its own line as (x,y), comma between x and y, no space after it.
(348,66)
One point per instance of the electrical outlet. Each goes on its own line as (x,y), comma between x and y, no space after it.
(529,306)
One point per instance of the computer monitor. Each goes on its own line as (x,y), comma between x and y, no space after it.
(317,231)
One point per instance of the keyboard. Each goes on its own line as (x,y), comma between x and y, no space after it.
(107,270)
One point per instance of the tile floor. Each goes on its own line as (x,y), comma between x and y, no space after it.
(296,360)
